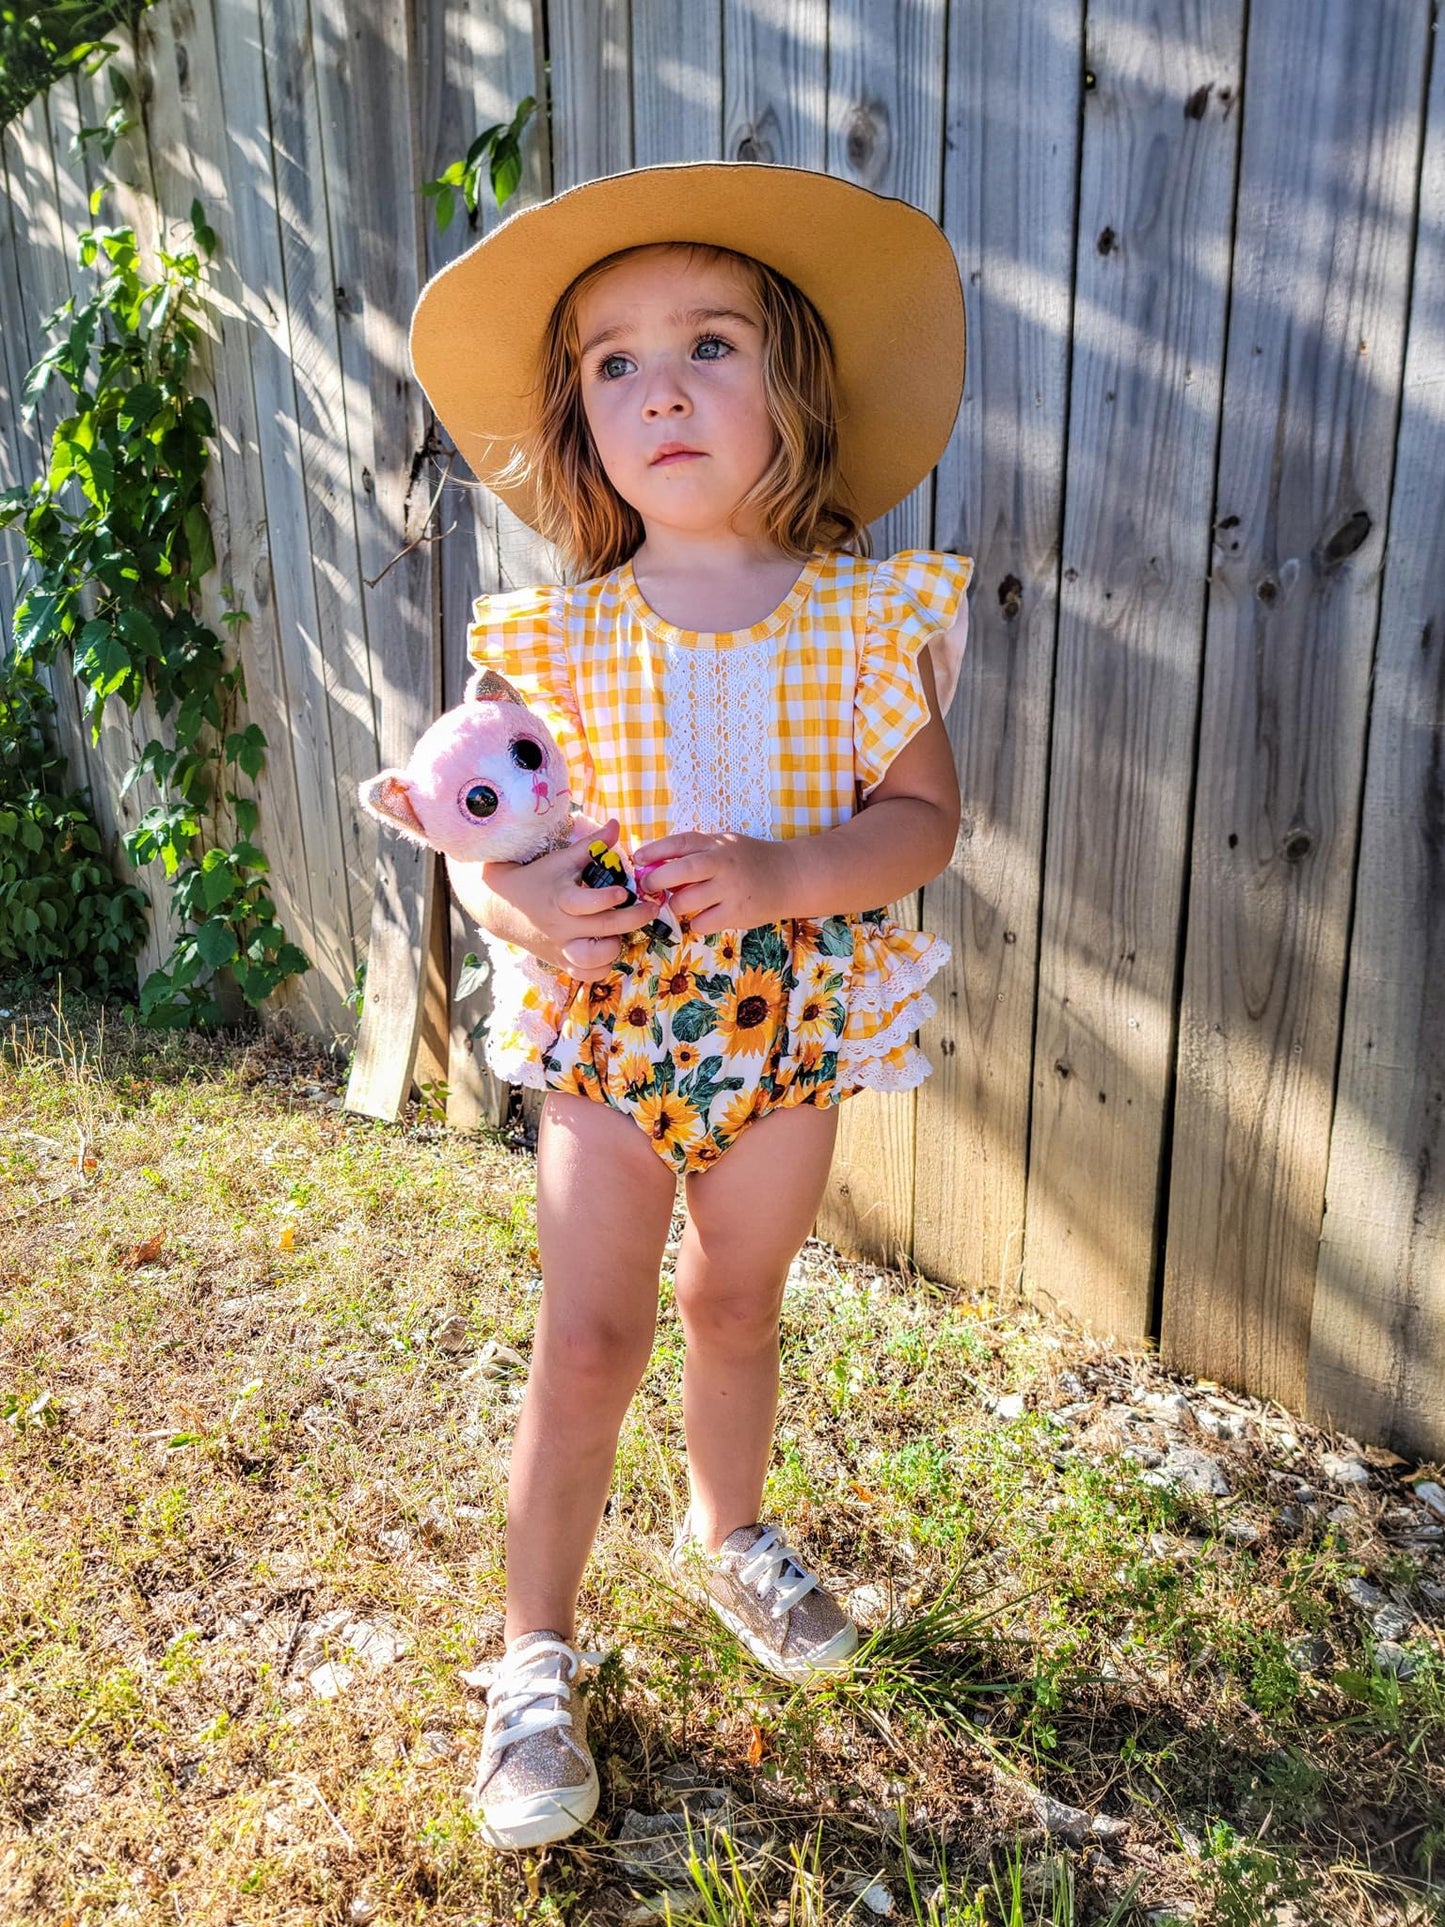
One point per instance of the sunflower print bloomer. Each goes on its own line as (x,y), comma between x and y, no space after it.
(778,730)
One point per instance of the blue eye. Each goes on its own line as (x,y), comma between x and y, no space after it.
(703,341)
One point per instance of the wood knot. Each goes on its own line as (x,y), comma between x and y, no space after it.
(865,143)
(1346,539)
(1010,597)
(1197,102)
(1105,242)
(1297,846)
(1268,591)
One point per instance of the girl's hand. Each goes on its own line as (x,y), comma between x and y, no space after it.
(722,882)
(542,907)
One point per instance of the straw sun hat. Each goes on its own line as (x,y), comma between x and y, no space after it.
(879,271)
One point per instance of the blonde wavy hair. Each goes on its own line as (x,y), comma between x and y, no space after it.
(800,497)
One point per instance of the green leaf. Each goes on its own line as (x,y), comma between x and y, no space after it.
(506,171)
(472,976)
(248,815)
(35,620)
(216,941)
(199,544)
(693,1021)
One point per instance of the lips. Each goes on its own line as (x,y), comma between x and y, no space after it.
(671,452)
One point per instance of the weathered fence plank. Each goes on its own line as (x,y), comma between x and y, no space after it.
(1377,1337)
(289,694)
(882,113)
(1150,291)
(591,100)
(186,128)
(1009,191)
(479,61)
(1321,265)
(677,67)
(373,206)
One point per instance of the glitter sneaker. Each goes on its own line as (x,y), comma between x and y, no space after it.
(760,1589)
(535,1779)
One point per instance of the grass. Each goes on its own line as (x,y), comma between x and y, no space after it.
(242,1367)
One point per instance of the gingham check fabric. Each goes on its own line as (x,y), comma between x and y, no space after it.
(819,697)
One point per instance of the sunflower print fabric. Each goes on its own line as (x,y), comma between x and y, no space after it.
(778,730)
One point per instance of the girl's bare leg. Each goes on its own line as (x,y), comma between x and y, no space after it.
(747,1217)
(604,1203)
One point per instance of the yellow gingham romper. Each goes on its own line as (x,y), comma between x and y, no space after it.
(773,731)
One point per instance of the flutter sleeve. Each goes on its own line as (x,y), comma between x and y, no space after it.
(916,599)
(522,634)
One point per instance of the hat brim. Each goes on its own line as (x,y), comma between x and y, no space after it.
(880,272)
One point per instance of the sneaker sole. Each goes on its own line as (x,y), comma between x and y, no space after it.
(831,1658)
(536,1819)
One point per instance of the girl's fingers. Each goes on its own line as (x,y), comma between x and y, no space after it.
(671,873)
(695,900)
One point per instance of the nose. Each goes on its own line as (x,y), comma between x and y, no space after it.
(666,393)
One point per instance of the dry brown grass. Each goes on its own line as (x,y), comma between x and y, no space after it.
(236,1407)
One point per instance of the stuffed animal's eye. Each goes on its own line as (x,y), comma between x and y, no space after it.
(480,801)
(526,754)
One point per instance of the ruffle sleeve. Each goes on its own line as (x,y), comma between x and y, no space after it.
(522,634)
(916,599)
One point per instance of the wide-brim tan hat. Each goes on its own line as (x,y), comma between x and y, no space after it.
(880,272)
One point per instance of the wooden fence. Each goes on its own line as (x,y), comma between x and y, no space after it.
(1190,1061)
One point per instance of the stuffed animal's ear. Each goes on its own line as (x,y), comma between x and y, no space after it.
(486,686)
(388,797)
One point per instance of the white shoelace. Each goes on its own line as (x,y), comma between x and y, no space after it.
(517,1688)
(768,1559)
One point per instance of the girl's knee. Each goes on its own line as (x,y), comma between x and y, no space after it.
(591,1357)
(734,1319)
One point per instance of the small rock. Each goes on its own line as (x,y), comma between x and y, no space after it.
(1105,1827)
(397,1541)
(1188,1470)
(875,1897)
(1432,1495)
(870,1606)
(433,1745)
(1008,1405)
(1057,1816)
(1309,1655)
(1392,1622)
(362,1910)
(328,1680)
(1173,1916)
(1435,1594)
(673,1903)
(1169,1408)
(1245,1531)
(1362,1594)
(1341,1470)
(1071,1385)
(451,1334)
(1391,1657)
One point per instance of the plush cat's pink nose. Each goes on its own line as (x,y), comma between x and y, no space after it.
(539,790)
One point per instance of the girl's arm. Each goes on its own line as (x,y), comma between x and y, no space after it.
(542,907)
(900,839)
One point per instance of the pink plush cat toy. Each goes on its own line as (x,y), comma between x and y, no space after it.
(485,784)
(488,784)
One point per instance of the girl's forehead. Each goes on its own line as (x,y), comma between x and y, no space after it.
(658,275)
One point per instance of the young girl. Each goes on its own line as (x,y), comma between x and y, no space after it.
(700,383)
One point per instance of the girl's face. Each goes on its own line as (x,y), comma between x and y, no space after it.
(672,355)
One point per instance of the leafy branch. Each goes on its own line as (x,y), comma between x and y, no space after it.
(119,541)
(497,153)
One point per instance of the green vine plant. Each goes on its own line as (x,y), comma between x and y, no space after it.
(497,153)
(39,45)
(119,541)
(62,910)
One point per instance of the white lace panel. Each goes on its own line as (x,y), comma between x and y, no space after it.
(718,704)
